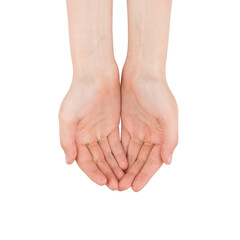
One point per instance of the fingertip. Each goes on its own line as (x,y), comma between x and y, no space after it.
(120,175)
(139,183)
(68,144)
(112,184)
(167,160)
(70,153)
(123,185)
(69,160)
(124,164)
(166,154)
(136,188)
(101,180)
(69,163)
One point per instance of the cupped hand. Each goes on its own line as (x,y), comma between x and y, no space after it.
(89,117)
(149,127)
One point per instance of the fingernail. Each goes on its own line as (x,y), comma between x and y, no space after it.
(66,158)
(170,159)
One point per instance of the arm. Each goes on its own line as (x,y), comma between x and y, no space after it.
(149,110)
(90,112)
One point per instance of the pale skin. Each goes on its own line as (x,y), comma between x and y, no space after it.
(90,113)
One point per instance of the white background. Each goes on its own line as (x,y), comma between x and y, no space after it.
(197,197)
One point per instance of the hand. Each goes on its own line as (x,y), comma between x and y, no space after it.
(149,127)
(89,118)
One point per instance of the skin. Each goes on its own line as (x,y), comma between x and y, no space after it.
(90,113)
(149,110)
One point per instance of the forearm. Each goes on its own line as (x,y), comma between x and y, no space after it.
(148,24)
(90,32)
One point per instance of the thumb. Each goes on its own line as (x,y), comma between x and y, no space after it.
(169,144)
(67,141)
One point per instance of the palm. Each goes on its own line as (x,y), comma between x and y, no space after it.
(89,119)
(149,128)
(96,112)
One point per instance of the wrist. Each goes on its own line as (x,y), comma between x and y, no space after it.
(90,56)
(97,70)
(137,67)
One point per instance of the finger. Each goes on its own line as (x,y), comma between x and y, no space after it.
(67,141)
(169,144)
(100,161)
(128,179)
(133,151)
(151,166)
(85,162)
(110,159)
(117,149)
(125,141)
